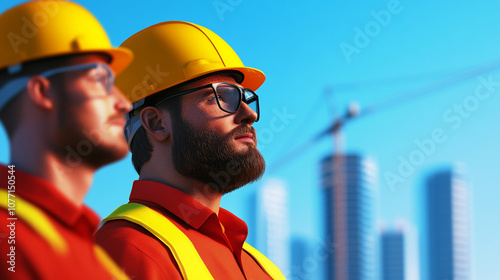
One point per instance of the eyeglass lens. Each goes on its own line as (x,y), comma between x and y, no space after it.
(251,100)
(230,98)
(104,74)
(105,77)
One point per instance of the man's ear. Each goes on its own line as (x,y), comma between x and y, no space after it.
(156,123)
(38,92)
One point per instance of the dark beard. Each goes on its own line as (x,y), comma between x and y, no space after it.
(207,157)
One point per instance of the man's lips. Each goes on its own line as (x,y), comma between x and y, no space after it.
(246,137)
(118,121)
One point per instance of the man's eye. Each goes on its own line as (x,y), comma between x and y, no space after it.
(104,80)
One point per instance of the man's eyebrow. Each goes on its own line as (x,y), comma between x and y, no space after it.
(205,91)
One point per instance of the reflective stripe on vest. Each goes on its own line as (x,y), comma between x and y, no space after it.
(34,218)
(38,221)
(189,261)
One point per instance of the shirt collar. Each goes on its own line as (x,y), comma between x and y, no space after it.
(175,201)
(182,205)
(50,200)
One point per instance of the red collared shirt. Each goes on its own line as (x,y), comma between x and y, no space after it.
(218,239)
(34,257)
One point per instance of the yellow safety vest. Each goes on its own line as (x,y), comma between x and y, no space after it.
(39,222)
(189,261)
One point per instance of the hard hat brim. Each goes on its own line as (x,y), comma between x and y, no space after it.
(120,57)
(252,78)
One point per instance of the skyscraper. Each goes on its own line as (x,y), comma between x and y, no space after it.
(299,254)
(349,183)
(393,255)
(273,227)
(446,243)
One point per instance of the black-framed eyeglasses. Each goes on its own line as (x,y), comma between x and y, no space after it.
(229,97)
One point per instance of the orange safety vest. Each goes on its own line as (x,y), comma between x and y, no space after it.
(189,261)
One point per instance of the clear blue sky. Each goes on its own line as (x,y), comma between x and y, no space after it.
(361,54)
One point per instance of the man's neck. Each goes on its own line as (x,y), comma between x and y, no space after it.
(206,196)
(72,182)
(199,191)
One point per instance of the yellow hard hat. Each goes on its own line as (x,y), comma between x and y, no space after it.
(170,53)
(46,28)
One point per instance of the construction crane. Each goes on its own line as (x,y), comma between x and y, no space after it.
(355,112)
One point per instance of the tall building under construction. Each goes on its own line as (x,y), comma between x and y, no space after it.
(349,186)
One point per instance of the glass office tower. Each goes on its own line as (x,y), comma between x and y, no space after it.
(349,183)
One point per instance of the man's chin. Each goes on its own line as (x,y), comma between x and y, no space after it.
(244,148)
(107,154)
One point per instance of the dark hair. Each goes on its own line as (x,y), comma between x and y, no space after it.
(9,115)
(140,146)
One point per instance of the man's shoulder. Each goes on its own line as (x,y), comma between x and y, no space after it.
(121,230)
(137,250)
(121,236)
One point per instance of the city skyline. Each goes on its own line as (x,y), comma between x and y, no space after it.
(389,253)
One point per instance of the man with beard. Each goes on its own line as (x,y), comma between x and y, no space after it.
(192,141)
(64,119)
